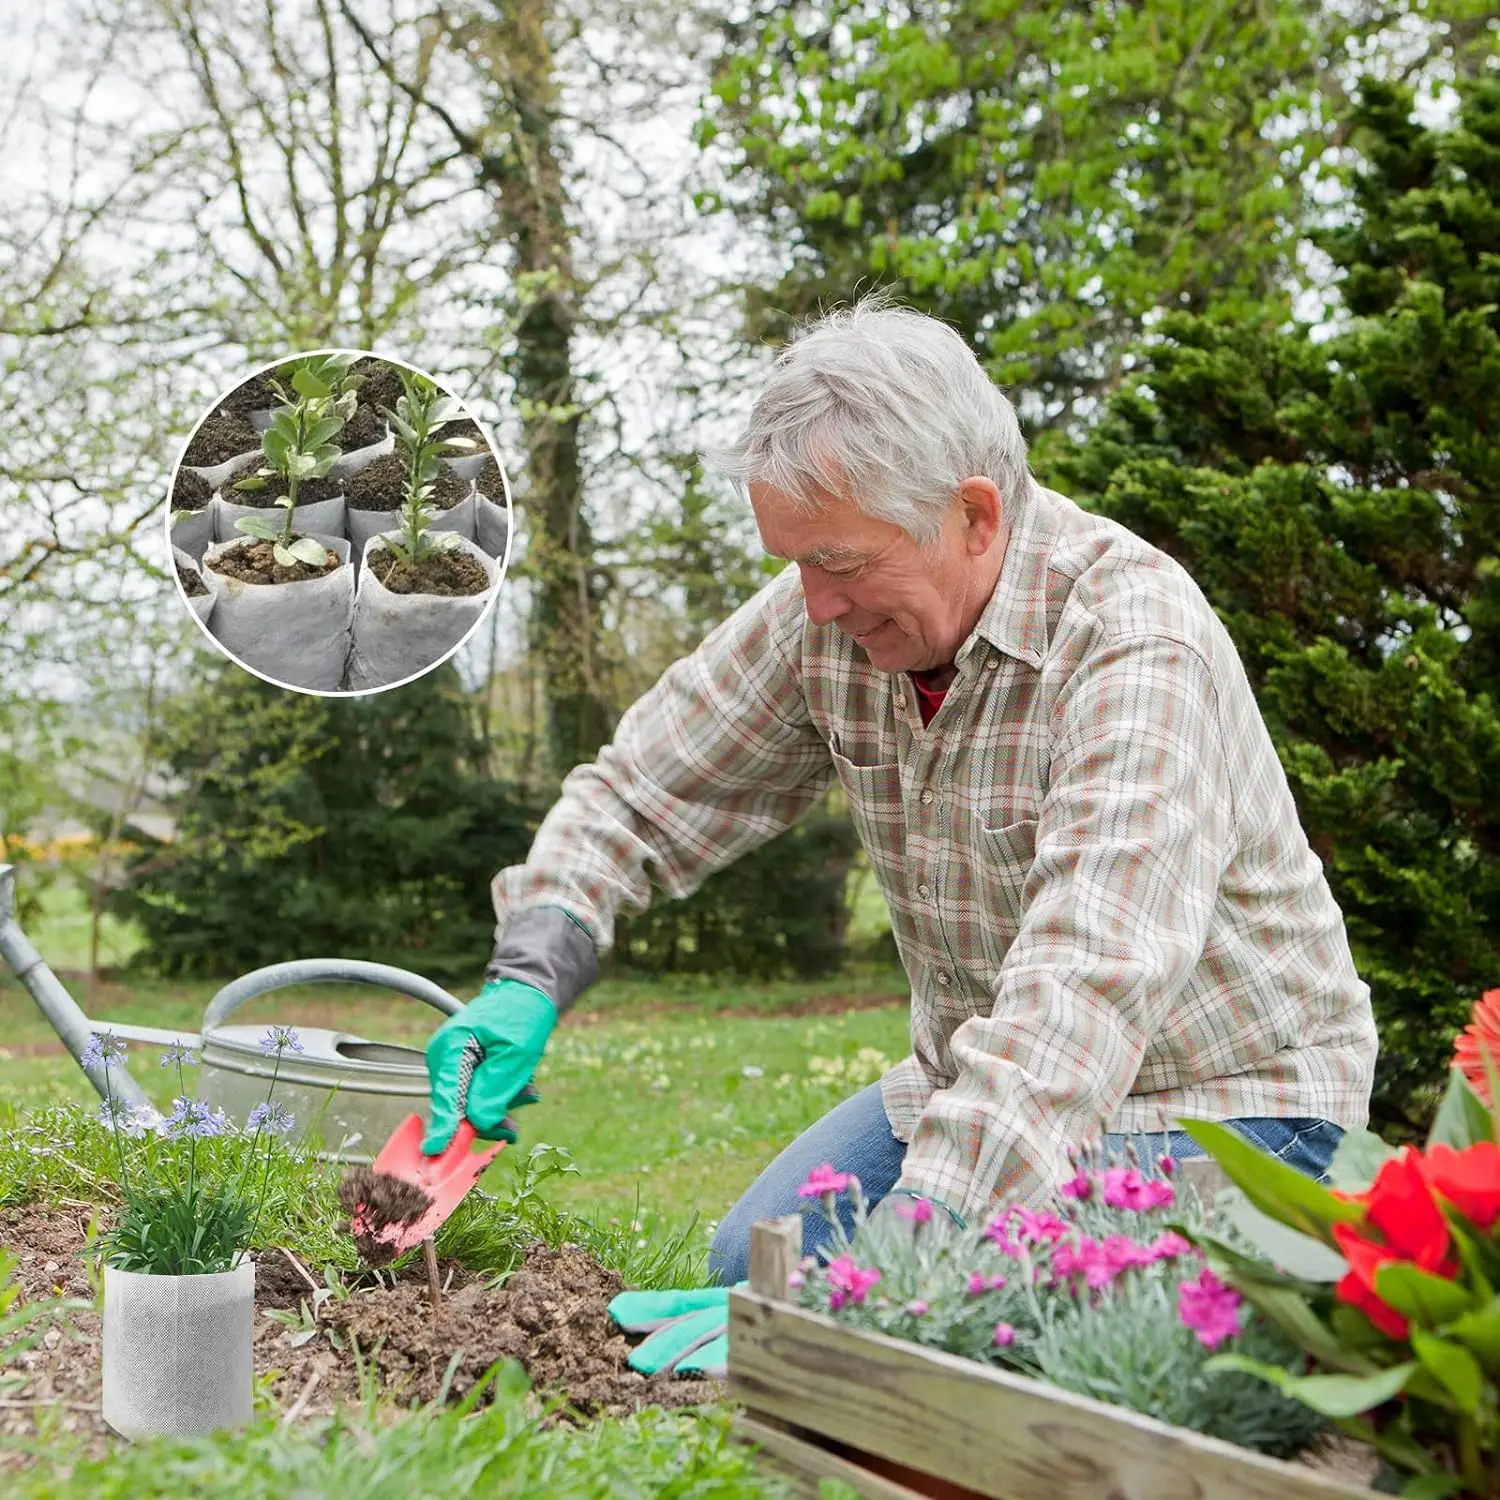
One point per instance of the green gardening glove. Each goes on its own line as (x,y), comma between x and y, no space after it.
(480,1061)
(688,1332)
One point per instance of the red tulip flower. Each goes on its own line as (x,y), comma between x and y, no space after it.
(1468,1179)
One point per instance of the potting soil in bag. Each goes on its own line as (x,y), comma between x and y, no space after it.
(297,634)
(358,458)
(316,518)
(200,604)
(178,1352)
(398,635)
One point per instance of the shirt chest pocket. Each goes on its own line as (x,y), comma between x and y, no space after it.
(875,808)
(1004,857)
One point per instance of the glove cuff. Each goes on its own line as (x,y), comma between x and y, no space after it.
(549,949)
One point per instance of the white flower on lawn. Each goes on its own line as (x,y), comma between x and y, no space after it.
(751,1071)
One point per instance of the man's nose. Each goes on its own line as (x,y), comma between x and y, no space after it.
(824,599)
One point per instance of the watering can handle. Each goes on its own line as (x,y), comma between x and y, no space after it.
(324,971)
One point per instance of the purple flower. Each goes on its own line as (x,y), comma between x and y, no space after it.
(104,1050)
(279,1039)
(824,1179)
(796,1279)
(179,1054)
(1209,1308)
(192,1117)
(271,1117)
(1080,1186)
(1039,1228)
(1166,1165)
(1005,1335)
(128,1119)
(916,1308)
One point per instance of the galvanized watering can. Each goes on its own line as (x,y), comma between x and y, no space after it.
(352,1091)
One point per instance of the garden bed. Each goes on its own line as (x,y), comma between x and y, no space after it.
(895,1420)
(550,1315)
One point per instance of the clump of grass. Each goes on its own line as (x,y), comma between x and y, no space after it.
(374,1453)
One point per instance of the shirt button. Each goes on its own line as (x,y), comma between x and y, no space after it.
(924,891)
(945,979)
(992,664)
(900,700)
(926,796)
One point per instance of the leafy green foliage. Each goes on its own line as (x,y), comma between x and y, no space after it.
(1043,175)
(1336,499)
(420,412)
(364,827)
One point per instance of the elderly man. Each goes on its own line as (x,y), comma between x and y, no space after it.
(1103,898)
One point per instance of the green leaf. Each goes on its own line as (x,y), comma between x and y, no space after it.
(275,444)
(1244,1268)
(1298,1253)
(258,527)
(308,384)
(1416,1293)
(284,555)
(1356,1160)
(1461,1119)
(1332,1395)
(445,409)
(1479,1332)
(251,485)
(1452,1365)
(1432,1487)
(306,550)
(322,431)
(1283,1192)
(300,464)
(459,442)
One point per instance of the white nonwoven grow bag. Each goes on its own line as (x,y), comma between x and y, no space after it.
(318,518)
(363,526)
(201,604)
(491,525)
(398,635)
(178,1352)
(194,531)
(297,634)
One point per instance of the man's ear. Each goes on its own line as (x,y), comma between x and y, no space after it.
(984,513)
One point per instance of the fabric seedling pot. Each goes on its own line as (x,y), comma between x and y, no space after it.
(260,420)
(364,525)
(399,635)
(491,525)
(178,1352)
(357,458)
(467,466)
(297,634)
(194,531)
(201,604)
(321,518)
(216,476)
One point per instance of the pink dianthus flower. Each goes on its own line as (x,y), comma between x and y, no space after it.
(1209,1308)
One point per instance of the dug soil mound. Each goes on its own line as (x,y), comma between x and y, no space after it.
(550,1314)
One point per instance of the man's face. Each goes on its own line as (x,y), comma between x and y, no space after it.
(908,607)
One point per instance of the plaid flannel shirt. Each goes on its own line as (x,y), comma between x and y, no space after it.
(1102,894)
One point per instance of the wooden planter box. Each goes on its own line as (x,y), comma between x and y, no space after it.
(897,1421)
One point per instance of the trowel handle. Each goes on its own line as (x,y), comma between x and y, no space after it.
(325,971)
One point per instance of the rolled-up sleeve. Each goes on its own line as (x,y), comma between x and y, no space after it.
(718,757)
(1133,834)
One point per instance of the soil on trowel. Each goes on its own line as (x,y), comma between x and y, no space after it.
(380,1201)
(379,384)
(255,562)
(366,426)
(453,575)
(382,486)
(276,486)
(491,485)
(551,1314)
(192,582)
(190,491)
(221,437)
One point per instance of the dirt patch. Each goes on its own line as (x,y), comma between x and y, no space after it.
(551,1314)
(254,395)
(222,436)
(379,384)
(192,581)
(382,486)
(450,574)
(490,483)
(190,491)
(275,486)
(255,562)
(366,426)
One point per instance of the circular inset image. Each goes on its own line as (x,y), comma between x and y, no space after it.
(339,523)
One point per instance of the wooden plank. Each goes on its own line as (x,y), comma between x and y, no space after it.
(1000,1434)
(1205,1176)
(805,1463)
(775,1249)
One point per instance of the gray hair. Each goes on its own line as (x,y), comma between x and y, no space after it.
(885,407)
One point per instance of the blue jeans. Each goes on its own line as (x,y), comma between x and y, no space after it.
(856,1137)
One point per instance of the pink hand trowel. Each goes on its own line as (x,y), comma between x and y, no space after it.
(399,1201)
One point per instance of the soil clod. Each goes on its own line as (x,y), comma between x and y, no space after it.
(255,562)
(490,483)
(190,491)
(192,582)
(366,426)
(382,486)
(453,575)
(374,1201)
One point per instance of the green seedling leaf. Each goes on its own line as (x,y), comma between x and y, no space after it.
(1461,1119)
(1418,1294)
(1331,1395)
(258,527)
(1300,1254)
(460,442)
(323,431)
(1356,1161)
(300,465)
(276,444)
(403,429)
(251,485)
(285,502)
(1455,1369)
(1283,1192)
(306,550)
(445,410)
(444,541)
(305,383)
